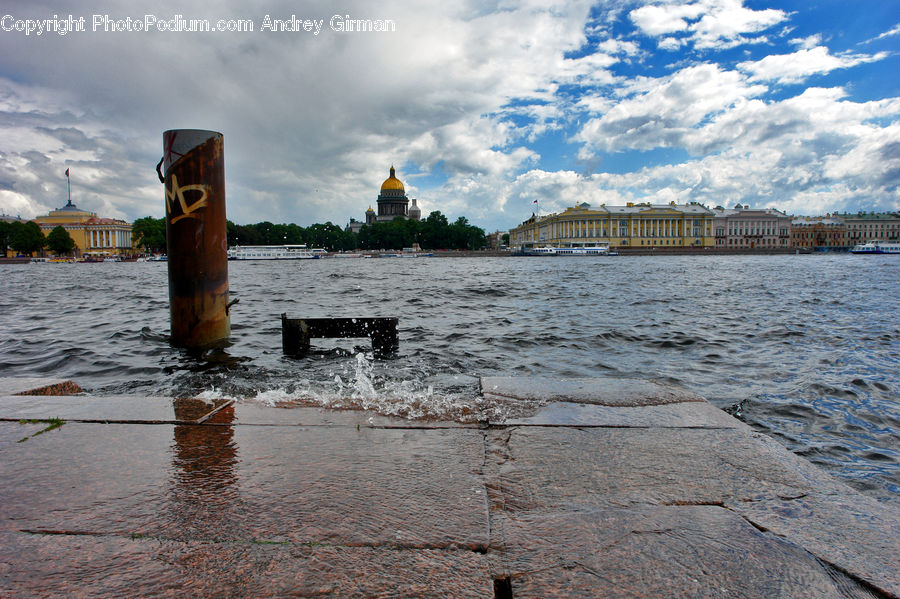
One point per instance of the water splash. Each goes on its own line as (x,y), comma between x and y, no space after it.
(362,388)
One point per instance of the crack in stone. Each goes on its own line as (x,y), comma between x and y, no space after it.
(828,565)
(453,547)
(834,572)
(685,503)
(496,447)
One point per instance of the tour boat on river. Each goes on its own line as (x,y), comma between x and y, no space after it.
(593,250)
(274,252)
(877,247)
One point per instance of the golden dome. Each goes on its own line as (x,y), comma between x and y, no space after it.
(392,182)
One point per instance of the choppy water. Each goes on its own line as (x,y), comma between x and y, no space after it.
(803,348)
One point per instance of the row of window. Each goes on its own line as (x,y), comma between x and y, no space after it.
(751,231)
(756,243)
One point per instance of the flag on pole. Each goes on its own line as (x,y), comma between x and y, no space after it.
(67,172)
(534,202)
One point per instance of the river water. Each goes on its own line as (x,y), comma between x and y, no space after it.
(803,348)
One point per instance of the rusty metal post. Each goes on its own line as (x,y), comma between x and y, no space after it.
(197,243)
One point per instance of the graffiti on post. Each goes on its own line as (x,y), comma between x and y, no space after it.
(187,210)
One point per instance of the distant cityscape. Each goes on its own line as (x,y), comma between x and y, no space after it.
(741,228)
(397,224)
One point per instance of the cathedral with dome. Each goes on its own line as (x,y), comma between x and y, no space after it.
(392,202)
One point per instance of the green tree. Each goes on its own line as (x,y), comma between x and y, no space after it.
(242,234)
(435,232)
(27,238)
(436,218)
(466,236)
(266,233)
(150,233)
(294,234)
(5,234)
(364,238)
(328,236)
(59,241)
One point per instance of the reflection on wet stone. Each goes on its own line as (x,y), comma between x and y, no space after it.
(203,494)
(190,409)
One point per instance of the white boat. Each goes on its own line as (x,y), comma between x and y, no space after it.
(274,252)
(592,250)
(600,250)
(877,247)
(540,251)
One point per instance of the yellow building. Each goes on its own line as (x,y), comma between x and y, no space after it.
(632,226)
(93,236)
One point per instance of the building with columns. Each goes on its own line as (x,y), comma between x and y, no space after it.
(93,236)
(863,227)
(636,226)
(741,228)
(819,233)
(392,201)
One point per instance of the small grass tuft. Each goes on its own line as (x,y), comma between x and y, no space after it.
(51,422)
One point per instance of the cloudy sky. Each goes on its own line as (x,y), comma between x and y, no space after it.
(482,106)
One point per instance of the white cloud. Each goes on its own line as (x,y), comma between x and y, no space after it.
(670,43)
(807,43)
(461,99)
(660,19)
(802,64)
(874,156)
(808,154)
(661,111)
(616,46)
(726,21)
(310,123)
(17,204)
(707,24)
(891,32)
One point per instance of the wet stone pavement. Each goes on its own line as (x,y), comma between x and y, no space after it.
(602,487)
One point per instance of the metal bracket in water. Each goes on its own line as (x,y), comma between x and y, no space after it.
(296,333)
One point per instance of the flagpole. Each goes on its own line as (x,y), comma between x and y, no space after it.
(69,186)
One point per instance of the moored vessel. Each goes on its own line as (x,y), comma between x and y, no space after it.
(601,249)
(877,247)
(274,252)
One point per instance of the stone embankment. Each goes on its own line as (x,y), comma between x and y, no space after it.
(595,488)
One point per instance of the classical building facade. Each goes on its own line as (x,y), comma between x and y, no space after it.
(819,233)
(93,236)
(741,228)
(865,227)
(632,226)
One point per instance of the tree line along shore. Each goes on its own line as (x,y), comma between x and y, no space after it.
(149,236)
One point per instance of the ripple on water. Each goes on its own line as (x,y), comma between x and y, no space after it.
(802,348)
